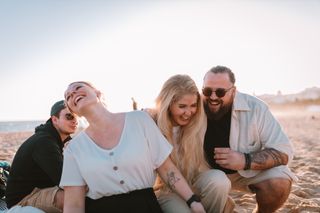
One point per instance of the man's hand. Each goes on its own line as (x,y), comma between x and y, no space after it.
(229,159)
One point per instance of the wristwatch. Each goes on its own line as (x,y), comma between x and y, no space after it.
(193,198)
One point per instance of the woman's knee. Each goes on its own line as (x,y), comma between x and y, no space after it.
(172,203)
(214,180)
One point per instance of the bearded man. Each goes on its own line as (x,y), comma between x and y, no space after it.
(245,141)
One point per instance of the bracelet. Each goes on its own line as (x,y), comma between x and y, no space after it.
(193,198)
(248,161)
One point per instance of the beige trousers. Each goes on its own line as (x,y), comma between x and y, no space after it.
(213,186)
(42,199)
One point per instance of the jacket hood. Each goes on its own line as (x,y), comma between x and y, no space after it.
(48,128)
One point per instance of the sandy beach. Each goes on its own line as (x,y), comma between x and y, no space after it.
(303,129)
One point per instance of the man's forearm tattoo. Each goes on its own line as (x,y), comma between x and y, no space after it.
(172,179)
(276,156)
(268,158)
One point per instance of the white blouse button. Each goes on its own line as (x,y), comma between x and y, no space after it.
(122,182)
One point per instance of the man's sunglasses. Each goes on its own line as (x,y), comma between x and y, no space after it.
(69,116)
(220,92)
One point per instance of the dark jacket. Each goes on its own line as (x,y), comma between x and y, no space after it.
(37,163)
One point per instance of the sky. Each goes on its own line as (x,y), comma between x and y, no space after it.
(129,48)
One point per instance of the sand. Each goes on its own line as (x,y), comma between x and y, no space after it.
(10,142)
(303,129)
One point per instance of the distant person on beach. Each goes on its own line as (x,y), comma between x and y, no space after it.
(244,140)
(112,164)
(134,104)
(37,165)
(180,116)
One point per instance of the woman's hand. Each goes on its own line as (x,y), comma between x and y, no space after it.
(197,207)
(174,179)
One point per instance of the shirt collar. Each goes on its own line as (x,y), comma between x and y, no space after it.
(240,103)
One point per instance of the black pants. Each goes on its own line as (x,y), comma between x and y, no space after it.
(142,201)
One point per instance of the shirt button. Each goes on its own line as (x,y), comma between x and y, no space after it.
(111,153)
(115,168)
(122,182)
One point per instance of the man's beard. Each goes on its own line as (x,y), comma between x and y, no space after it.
(224,109)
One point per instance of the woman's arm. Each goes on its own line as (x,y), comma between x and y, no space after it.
(74,199)
(174,179)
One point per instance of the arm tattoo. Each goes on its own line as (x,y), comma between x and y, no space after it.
(172,179)
(276,156)
(268,158)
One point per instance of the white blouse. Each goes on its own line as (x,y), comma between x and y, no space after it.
(127,167)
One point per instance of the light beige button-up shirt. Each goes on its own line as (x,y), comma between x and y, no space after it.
(254,128)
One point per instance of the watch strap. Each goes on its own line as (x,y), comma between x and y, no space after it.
(193,198)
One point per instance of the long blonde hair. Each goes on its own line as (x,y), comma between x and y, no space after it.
(189,158)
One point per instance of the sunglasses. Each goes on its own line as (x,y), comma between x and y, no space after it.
(220,92)
(69,116)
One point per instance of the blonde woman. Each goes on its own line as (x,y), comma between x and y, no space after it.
(116,158)
(180,116)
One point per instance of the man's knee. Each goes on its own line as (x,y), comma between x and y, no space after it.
(44,199)
(274,185)
(272,193)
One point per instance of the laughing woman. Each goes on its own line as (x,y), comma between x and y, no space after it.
(180,116)
(111,166)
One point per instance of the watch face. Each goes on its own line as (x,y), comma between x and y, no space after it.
(197,198)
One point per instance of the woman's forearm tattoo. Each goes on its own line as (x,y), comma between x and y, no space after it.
(268,158)
(172,179)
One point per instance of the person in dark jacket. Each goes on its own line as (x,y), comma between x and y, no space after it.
(37,166)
